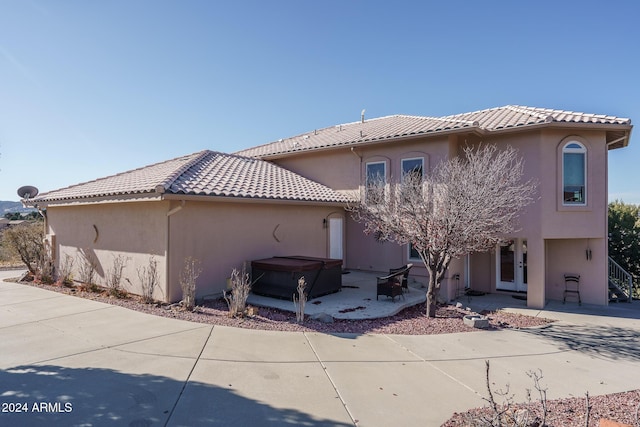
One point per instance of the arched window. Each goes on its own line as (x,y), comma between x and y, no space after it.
(574,173)
(412,166)
(375,181)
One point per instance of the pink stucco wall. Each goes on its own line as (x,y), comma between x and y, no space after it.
(220,234)
(224,234)
(569,256)
(134,230)
(547,225)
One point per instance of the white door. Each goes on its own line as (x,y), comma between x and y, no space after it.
(335,238)
(511,266)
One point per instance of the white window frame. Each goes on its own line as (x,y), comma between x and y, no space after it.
(402,161)
(403,173)
(581,149)
(384,171)
(409,257)
(366,175)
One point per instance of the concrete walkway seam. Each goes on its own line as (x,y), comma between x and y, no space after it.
(186,381)
(333,384)
(433,366)
(56,317)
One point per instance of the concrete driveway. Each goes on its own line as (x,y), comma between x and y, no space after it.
(69,361)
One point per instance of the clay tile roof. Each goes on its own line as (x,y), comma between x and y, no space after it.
(398,126)
(351,133)
(206,173)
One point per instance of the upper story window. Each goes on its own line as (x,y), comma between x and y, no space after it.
(376,180)
(413,167)
(376,172)
(574,174)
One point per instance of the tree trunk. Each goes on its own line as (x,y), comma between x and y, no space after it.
(432,294)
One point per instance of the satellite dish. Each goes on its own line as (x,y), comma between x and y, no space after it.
(27,192)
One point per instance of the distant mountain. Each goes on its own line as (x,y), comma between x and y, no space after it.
(11,207)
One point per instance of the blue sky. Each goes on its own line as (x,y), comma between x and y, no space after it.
(89,88)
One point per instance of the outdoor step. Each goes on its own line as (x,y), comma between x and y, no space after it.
(618,299)
(616,294)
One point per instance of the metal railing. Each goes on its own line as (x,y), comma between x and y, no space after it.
(621,279)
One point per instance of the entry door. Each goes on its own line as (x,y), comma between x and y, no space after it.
(335,238)
(511,266)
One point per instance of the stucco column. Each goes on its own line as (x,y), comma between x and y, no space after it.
(535,273)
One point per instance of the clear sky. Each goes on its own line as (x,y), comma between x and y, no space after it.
(93,88)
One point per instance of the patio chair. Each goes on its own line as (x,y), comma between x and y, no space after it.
(571,286)
(405,275)
(391,285)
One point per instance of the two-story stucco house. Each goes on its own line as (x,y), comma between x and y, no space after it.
(288,197)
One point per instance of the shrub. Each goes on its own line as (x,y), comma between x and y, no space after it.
(240,288)
(188,278)
(507,413)
(301,300)
(114,276)
(65,272)
(148,280)
(87,271)
(46,269)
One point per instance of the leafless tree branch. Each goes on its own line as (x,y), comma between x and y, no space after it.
(467,204)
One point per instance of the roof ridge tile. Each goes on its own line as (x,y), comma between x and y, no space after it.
(531,111)
(150,188)
(170,179)
(399,126)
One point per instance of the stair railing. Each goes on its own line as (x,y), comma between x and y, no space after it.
(621,278)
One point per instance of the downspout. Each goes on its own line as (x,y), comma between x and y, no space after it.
(345,222)
(44,218)
(176,209)
(45,223)
(168,247)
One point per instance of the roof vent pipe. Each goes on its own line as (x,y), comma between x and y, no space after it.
(362,116)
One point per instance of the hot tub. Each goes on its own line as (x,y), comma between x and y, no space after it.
(278,276)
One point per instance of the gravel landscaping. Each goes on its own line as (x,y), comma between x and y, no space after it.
(410,321)
(571,412)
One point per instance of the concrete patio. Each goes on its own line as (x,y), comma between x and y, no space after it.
(356,300)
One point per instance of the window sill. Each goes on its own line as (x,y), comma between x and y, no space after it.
(574,208)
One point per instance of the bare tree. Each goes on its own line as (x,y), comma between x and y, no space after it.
(467,204)
(27,241)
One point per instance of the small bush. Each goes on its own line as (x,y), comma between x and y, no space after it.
(188,278)
(301,300)
(114,276)
(240,288)
(507,413)
(65,272)
(87,267)
(148,280)
(46,269)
